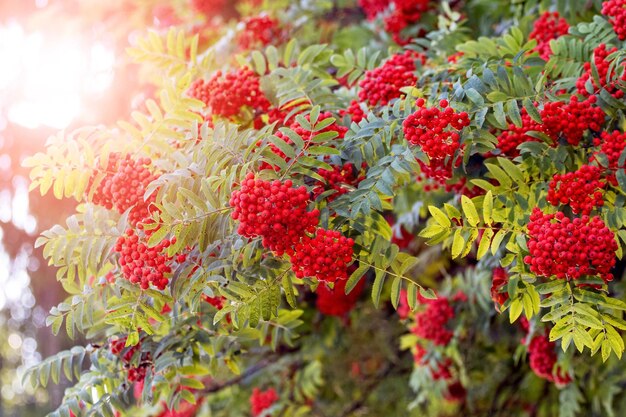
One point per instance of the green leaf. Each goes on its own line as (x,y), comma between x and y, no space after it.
(497,240)
(513,112)
(515,310)
(355,277)
(458,243)
(470,210)
(440,217)
(488,207)
(396,286)
(484,244)
(377,288)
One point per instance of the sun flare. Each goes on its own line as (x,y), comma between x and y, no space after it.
(45,79)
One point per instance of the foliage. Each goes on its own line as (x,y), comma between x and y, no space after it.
(428,232)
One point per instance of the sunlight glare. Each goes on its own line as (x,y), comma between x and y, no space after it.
(45,79)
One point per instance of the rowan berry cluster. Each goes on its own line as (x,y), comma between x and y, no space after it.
(117,347)
(134,373)
(338,179)
(571,120)
(217,302)
(276,211)
(355,111)
(325,256)
(615,10)
(581,189)
(430,323)
(381,85)
(550,25)
(185,409)
(335,302)
(262,400)
(542,359)
(141,264)
(124,185)
(500,279)
(226,94)
(440,370)
(259,31)
(510,139)
(209,8)
(436,131)
(570,249)
(560,120)
(373,8)
(602,65)
(612,145)
(403,14)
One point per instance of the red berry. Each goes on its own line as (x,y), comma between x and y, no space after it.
(569,249)
(226,94)
(430,323)
(581,189)
(615,10)
(275,211)
(335,302)
(549,26)
(325,256)
(258,32)
(381,85)
(542,359)
(262,400)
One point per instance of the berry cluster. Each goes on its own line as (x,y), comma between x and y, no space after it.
(439,370)
(262,400)
(571,120)
(615,10)
(337,180)
(436,131)
(217,302)
(226,94)
(134,373)
(355,111)
(381,85)
(500,279)
(568,248)
(373,8)
(209,8)
(184,409)
(510,139)
(549,26)
(276,211)
(335,302)
(325,256)
(600,55)
(581,189)
(141,264)
(430,323)
(123,186)
(612,145)
(542,359)
(258,32)
(404,14)
(564,120)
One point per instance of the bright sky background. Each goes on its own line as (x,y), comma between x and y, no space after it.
(44,79)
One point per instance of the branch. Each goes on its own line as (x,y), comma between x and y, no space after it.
(254,369)
(367,391)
